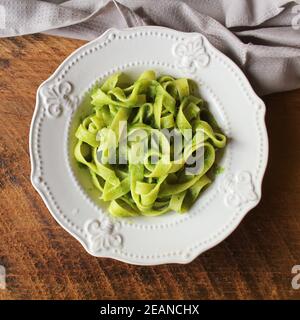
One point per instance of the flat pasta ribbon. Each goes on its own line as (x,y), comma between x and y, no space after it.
(150,105)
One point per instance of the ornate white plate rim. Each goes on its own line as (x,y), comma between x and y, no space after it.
(192,66)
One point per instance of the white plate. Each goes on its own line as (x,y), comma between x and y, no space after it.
(172,237)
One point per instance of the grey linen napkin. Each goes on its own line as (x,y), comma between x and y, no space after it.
(261,36)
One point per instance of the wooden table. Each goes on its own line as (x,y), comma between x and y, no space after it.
(44,262)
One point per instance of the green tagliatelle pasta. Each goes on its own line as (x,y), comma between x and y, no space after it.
(152,106)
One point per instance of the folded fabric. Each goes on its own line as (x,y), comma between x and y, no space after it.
(261,36)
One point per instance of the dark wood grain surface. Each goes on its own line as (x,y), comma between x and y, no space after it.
(44,262)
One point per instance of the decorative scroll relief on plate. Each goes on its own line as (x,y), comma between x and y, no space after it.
(103,235)
(191,54)
(238,189)
(58,97)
